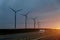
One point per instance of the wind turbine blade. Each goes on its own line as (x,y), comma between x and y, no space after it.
(32,18)
(22,14)
(18,10)
(13,10)
(35,17)
(27,12)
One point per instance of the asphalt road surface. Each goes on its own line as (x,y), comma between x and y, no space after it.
(54,35)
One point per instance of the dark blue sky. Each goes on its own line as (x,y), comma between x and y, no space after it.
(47,12)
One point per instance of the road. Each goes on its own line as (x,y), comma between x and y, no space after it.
(55,35)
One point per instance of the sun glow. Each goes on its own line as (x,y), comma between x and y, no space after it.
(57,26)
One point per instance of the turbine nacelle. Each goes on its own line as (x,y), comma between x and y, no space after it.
(25,14)
(34,18)
(15,10)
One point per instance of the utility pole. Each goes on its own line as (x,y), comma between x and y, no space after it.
(15,11)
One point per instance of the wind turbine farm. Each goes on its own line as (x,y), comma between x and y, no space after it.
(29,20)
(28,33)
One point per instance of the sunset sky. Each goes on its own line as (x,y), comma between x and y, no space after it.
(46,11)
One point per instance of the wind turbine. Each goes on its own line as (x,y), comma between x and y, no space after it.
(15,11)
(38,24)
(26,17)
(34,20)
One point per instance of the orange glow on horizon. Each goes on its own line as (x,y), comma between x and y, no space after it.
(53,26)
(57,28)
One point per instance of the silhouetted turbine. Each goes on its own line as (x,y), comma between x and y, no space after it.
(34,20)
(26,16)
(15,11)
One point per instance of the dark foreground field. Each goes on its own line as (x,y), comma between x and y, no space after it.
(18,34)
(15,31)
(31,34)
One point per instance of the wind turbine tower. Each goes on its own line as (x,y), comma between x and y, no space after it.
(34,20)
(15,11)
(26,17)
(38,24)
